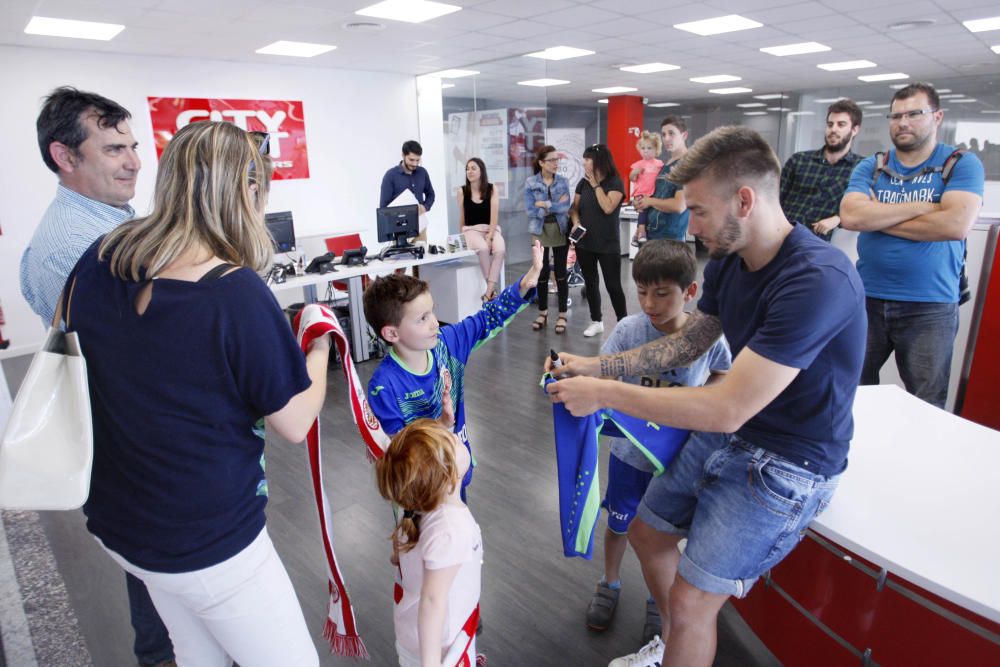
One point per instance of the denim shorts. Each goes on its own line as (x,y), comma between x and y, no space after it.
(741,507)
(626,487)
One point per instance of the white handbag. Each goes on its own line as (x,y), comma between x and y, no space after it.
(48,443)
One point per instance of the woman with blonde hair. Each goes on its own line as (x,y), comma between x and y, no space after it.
(439,547)
(189,356)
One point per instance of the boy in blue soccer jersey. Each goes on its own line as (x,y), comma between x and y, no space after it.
(423,375)
(664,273)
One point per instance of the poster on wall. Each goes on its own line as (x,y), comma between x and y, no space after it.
(569,143)
(526,128)
(284,120)
(481,134)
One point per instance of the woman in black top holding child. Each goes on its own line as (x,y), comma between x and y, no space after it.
(595,206)
(478,214)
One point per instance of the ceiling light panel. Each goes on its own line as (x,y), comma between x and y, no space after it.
(847,64)
(995,49)
(42,25)
(980,25)
(951,96)
(967,100)
(649,68)
(795,49)
(729,91)
(408,11)
(750,105)
(715,78)
(295,49)
(893,76)
(771,96)
(613,90)
(828,100)
(542,83)
(560,53)
(719,25)
(660,105)
(454,73)
(754,113)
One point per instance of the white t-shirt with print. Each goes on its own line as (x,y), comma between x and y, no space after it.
(448,536)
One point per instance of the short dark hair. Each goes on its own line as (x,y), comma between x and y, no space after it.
(600,155)
(386,297)
(915,89)
(848,107)
(60,119)
(664,260)
(536,164)
(729,155)
(676,121)
(412,146)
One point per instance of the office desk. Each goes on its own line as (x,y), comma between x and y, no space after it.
(901,568)
(352,276)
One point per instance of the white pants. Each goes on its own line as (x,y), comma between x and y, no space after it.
(490,256)
(242,609)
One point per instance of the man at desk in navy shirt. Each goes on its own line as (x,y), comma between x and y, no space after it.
(408,175)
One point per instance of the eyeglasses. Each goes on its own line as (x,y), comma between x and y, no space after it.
(551,159)
(908,115)
(262,140)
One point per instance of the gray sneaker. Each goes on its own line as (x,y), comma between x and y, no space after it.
(650,655)
(602,607)
(653,626)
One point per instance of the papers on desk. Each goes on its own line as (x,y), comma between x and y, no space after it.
(407,198)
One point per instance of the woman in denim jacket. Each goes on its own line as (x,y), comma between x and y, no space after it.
(547,201)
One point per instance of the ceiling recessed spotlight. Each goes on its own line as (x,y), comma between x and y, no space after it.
(802,113)
(771,96)
(409,11)
(729,91)
(781,109)
(454,73)
(363,26)
(715,78)
(829,100)
(660,105)
(41,25)
(542,83)
(560,53)
(910,25)
(967,100)
(295,49)
(614,90)
(754,113)
(893,76)
(719,25)
(846,64)
(648,68)
(750,105)
(795,49)
(981,25)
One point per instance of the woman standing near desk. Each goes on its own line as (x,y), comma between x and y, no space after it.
(478,222)
(188,357)
(547,202)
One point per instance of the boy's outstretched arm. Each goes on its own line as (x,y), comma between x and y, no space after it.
(530,279)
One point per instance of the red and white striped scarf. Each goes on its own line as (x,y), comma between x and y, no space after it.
(311,323)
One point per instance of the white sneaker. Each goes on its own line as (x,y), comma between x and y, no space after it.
(594,329)
(650,655)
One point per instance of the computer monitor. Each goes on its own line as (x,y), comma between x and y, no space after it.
(398,223)
(282,230)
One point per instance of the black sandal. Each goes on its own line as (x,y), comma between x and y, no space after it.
(561,323)
(540,322)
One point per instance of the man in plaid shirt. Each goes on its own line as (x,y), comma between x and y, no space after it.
(813,182)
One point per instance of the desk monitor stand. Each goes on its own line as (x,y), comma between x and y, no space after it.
(403,248)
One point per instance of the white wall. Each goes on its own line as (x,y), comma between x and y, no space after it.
(355,124)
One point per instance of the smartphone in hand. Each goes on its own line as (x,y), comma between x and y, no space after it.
(577,233)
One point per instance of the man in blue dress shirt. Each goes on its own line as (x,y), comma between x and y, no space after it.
(85,139)
(408,175)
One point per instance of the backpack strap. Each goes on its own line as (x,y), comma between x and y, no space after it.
(216,272)
(949,164)
(880,159)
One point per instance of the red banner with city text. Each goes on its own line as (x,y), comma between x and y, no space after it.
(284,120)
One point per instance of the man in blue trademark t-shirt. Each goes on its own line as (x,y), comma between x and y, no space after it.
(913,223)
(770,440)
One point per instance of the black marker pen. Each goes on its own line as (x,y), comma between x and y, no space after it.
(556,361)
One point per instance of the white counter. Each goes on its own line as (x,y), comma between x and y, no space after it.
(921,498)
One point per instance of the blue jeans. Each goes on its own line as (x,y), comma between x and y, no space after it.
(923,337)
(152,641)
(741,507)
